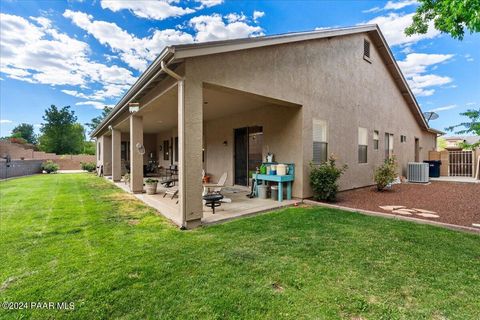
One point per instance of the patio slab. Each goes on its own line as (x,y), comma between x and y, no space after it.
(240,206)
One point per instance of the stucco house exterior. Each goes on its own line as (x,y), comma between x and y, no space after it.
(301,96)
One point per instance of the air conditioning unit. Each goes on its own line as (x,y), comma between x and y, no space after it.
(417,172)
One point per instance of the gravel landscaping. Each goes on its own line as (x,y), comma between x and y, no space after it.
(448,202)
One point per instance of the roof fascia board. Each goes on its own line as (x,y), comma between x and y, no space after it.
(195,50)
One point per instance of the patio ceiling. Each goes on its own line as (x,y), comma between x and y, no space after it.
(219,102)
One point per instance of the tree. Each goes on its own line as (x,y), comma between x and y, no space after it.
(448,16)
(97,120)
(26,132)
(89,147)
(472,126)
(60,132)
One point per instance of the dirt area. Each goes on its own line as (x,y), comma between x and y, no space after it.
(448,202)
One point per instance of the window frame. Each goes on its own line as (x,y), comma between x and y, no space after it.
(323,157)
(362,156)
(376,141)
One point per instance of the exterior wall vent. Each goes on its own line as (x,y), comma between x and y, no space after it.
(366,50)
(417,172)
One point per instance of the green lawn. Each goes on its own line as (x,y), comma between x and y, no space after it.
(77,238)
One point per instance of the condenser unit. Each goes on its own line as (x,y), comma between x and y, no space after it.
(417,172)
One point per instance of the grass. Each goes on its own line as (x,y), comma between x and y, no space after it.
(77,238)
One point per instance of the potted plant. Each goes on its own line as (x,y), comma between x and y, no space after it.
(151,185)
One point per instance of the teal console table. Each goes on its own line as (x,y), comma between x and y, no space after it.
(288,179)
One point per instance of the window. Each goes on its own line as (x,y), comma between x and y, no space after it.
(375,139)
(125,151)
(403,139)
(176,149)
(320,142)
(166,150)
(362,145)
(388,145)
(366,50)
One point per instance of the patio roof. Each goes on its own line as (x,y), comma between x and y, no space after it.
(174,55)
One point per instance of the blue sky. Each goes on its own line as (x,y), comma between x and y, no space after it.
(86,54)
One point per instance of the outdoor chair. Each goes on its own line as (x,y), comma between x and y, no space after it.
(172,191)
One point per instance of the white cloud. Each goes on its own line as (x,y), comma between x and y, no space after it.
(415,68)
(209,3)
(136,52)
(417,63)
(95,104)
(257,15)
(213,27)
(36,52)
(151,9)
(396,5)
(449,107)
(4,121)
(469,57)
(393,28)
(392,5)
(234,17)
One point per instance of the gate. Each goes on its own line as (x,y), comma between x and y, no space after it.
(460,163)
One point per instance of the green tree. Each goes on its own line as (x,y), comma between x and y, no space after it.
(97,120)
(60,132)
(89,147)
(470,127)
(448,16)
(26,132)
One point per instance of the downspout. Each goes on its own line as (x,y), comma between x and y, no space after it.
(181,105)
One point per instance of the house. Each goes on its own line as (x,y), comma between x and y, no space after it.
(455,142)
(301,96)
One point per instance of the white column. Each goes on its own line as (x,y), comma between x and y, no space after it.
(136,158)
(190,126)
(116,155)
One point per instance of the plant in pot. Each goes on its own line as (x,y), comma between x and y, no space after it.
(151,185)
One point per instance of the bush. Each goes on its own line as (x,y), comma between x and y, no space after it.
(323,179)
(151,181)
(385,174)
(89,166)
(49,166)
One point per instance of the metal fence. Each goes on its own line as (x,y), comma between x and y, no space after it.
(460,163)
(17,168)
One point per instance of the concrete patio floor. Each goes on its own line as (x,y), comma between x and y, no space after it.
(240,206)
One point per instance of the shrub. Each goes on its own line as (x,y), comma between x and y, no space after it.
(323,179)
(385,174)
(49,166)
(89,166)
(151,181)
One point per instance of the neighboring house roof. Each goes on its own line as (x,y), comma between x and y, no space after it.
(174,54)
(466,139)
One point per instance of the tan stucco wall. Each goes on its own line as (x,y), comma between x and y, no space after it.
(278,123)
(332,81)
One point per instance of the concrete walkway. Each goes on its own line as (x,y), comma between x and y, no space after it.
(456,179)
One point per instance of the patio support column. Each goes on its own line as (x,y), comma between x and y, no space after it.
(116,155)
(107,155)
(190,139)
(136,158)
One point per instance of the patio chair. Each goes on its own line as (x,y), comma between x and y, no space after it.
(172,191)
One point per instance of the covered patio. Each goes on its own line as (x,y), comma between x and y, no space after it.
(230,136)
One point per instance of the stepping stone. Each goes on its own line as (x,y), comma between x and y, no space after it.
(476,225)
(390,208)
(402,211)
(424,211)
(428,215)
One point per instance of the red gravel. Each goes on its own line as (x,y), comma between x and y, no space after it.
(455,203)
